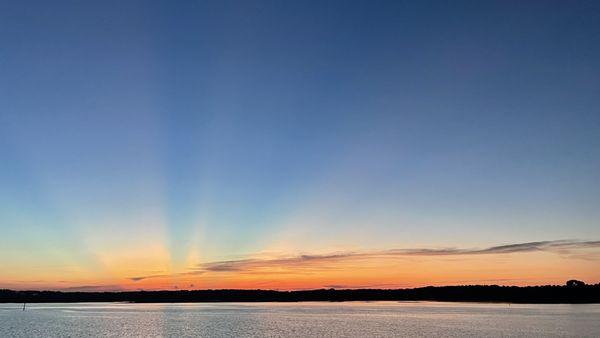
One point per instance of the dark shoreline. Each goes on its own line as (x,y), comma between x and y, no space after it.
(547,294)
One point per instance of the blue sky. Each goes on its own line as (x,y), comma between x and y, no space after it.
(223,127)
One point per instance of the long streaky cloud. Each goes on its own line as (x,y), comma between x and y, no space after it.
(87,288)
(563,247)
(554,246)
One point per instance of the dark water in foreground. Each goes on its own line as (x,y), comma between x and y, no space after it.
(351,319)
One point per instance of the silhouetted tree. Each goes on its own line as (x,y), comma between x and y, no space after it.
(574,283)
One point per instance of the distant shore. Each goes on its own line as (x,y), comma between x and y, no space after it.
(469,293)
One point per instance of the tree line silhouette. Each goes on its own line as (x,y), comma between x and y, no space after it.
(572,292)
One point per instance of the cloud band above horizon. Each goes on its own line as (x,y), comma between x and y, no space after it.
(319,261)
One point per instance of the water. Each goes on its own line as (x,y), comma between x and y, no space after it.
(318,319)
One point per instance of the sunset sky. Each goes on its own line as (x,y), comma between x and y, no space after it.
(298,144)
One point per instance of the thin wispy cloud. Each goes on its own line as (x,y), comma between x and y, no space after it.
(187,273)
(87,288)
(315,262)
(139,278)
(553,246)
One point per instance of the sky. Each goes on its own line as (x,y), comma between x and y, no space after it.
(298,144)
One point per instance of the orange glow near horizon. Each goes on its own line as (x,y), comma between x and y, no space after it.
(345,270)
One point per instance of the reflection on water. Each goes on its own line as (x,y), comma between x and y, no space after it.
(319,319)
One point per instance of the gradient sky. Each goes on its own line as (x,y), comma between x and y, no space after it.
(296,144)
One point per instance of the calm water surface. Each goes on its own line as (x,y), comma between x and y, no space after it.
(351,319)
